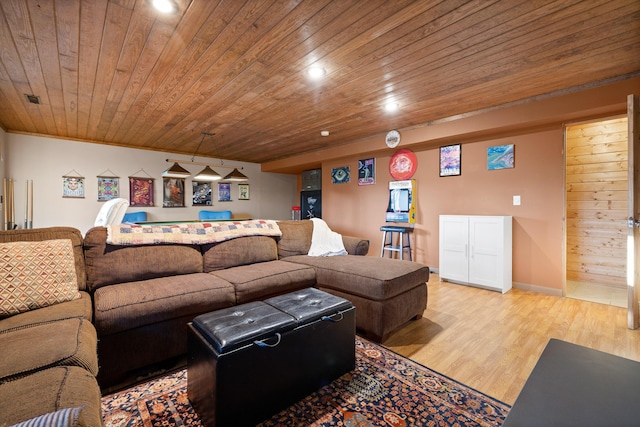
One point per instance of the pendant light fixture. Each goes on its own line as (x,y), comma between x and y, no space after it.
(176,171)
(236,175)
(206,174)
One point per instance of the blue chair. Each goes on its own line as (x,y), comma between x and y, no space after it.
(135,217)
(207,215)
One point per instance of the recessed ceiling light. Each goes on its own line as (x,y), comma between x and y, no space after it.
(316,72)
(391,107)
(165,6)
(324,133)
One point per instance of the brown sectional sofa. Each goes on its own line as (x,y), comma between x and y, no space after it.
(48,359)
(137,301)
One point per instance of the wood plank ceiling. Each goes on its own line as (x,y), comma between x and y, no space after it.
(118,72)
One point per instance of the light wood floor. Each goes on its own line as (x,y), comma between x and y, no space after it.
(491,342)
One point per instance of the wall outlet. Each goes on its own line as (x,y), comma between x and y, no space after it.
(516,200)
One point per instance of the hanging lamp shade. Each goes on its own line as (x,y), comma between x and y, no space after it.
(236,175)
(176,171)
(207,174)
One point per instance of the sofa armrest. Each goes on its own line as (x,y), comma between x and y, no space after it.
(355,245)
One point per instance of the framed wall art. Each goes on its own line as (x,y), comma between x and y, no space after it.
(201,193)
(108,188)
(340,175)
(141,191)
(367,171)
(224,192)
(243,191)
(73,186)
(500,157)
(173,192)
(451,160)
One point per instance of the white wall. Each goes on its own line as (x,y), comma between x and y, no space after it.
(47,160)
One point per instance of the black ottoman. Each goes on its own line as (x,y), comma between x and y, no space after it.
(248,362)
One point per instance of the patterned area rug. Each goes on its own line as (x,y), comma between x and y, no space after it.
(385,389)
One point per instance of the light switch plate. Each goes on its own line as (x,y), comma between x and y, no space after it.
(516,200)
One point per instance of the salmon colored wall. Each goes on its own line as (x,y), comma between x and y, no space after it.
(537,222)
(536,129)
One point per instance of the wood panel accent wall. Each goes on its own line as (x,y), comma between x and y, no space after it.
(596,202)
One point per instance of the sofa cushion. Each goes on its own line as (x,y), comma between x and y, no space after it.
(51,390)
(81,307)
(265,279)
(52,233)
(131,305)
(241,251)
(110,264)
(295,239)
(69,342)
(369,277)
(36,274)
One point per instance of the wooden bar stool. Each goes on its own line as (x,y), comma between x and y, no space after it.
(404,241)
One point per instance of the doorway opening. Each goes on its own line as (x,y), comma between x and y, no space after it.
(596,206)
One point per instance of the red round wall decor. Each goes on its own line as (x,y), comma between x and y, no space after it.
(403,164)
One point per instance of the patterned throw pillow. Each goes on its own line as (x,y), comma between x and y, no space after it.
(63,418)
(36,274)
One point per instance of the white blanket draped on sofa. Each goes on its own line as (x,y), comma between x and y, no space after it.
(325,242)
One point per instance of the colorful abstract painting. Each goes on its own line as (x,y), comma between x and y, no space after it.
(500,157)
(108,188)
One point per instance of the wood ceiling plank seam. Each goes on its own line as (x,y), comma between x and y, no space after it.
(21,34)
(93,15)
(13,81)
(598,55)
(195,70)
(190,104)
(150,111)
(278,90)
(68,29)
(16,113)
(115,30)
(301,64)
(193,20)
(157,41)
(134,43)
(148,58)
(51,94)
(470,63)
(376,96)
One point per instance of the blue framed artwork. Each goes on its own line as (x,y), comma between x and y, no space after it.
(500,157)
(340,175)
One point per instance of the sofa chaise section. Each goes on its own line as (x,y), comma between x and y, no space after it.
(386,292)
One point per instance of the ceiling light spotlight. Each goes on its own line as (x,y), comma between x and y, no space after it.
(165,6)
(316,72)
(391,107)
(324,133)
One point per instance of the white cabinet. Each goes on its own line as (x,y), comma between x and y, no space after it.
(476,250)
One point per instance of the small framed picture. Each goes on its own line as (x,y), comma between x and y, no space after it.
(224,192)
(108,187)
(340,175)
(451,160)
(73,186)
(367,171)
(243,191)
(141,191)
(201,193)
(500,157)
(173,192)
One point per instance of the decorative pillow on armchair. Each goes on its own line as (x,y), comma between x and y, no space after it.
(36,274)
